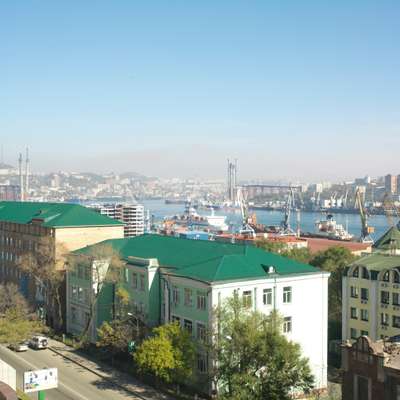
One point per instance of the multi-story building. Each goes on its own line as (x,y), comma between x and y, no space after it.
(132,215)
(173,279)
(9,192)
(25,225)
(371,291)
(371,369)
(391,184)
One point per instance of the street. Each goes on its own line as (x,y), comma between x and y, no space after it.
(75,382)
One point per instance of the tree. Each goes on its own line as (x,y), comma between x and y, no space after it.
(253,359)
(334,260)
(302,255)
(168,354)
(46,264)
(11,298)
(105,267)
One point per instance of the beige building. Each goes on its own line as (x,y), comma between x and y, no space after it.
(23,225)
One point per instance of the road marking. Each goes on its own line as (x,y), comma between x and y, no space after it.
(34,367)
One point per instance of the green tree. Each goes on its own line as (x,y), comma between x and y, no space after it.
(334,260)
(168,354)
(254,360)
(11,298)
(270,246)
(302,255)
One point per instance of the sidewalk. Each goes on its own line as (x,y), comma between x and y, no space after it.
(123,380)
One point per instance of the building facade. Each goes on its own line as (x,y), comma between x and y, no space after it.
(180,280)
(371,291)
(371,369)
(24,226)
(132,215)
(391,184)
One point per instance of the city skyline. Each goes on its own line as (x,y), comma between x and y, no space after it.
(294,91)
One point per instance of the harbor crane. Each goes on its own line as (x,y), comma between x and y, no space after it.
(285,224)
(366,230)
(246,229)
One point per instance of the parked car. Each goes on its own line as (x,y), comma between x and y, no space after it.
(39,342)
(23,346)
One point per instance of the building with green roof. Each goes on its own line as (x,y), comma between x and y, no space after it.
(24,226)
(371,291)
(183,280)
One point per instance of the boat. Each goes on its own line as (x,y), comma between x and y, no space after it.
(329,228)
(217,221)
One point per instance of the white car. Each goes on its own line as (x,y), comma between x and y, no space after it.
(39,342)
(23,346)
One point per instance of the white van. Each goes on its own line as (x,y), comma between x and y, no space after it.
(39,342)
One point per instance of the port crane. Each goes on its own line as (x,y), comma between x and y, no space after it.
(366,230)
(246,228)
(285,224)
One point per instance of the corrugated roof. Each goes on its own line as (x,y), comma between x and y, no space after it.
(206,260)
(390,240)
(378,262)
(52,214)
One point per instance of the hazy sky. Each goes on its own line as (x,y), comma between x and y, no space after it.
(293,89)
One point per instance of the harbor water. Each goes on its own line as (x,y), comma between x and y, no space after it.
(351,222)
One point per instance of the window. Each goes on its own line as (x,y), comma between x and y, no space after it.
(287,294)
(80,294)
(353,313)
(247,298)
(201,363)
(395,299)
(176,319)
(175,295)
(396,321)
(353,333)
(365,273)
(188,325)
(81,271)
(287,325)
(386,276)
(74,317)
(354,292)
(364,333)
(364,315)
(384,297)
(201,332)
(142,282)
(364,294)
(134,280)
(201,301)
(74,292)
(267,297)
(385,319)
(86,273)
(396,277)
(355,272)
(188,297)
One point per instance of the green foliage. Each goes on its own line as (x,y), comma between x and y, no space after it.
(16,326)
(334,260)
(169,354)
(254,360)
(272,247)
(301,255)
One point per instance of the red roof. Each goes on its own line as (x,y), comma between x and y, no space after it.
(318,244)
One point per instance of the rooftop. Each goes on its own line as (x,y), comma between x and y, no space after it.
(389,241)
(378,262)
(320,244)
(208,261)
(52,214)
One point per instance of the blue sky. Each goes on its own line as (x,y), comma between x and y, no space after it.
(294,89)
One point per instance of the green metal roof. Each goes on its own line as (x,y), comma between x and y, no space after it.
(55,215)
(378,262)
(205,260)
(390,240)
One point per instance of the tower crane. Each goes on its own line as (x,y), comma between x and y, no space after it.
(365,229)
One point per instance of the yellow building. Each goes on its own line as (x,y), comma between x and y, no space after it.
(68,226)
(371,292)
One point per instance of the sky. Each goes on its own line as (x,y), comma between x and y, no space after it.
(295,90)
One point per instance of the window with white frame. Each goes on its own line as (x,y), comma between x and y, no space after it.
(175,295)
(142,282)
(134,280)
(353,313)
(201,363)
(201,332)
(287,294)
(385,319)
(267,297)
(188,297)
(287,325)
(364,315)
(354,292)
(201,301)
(188,325)
(247,298)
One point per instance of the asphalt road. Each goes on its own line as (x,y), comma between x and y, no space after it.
(74,382)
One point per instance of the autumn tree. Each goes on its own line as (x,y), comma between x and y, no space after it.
(11,298)
(253,359)
(168,354)
(45,263)
(105,267)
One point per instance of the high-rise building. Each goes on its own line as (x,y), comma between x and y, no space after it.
(390,183)
(132,215)
(9,192)
(232,180)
